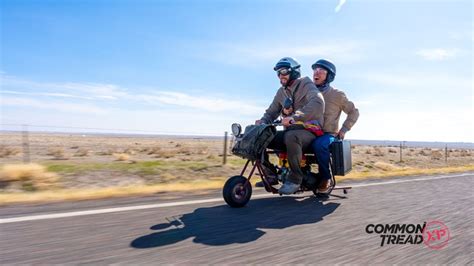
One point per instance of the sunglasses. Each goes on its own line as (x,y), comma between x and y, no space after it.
(283,71)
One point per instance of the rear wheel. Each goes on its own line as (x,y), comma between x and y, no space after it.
(237,191)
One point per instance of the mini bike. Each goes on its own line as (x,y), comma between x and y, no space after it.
(238,189)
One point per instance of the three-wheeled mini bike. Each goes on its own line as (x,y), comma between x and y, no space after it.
(252,145)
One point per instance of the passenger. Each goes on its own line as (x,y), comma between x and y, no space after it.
(336,102)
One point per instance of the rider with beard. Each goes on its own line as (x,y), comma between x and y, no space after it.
(308,105)
(336,101)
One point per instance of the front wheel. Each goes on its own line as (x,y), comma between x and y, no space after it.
(237,191)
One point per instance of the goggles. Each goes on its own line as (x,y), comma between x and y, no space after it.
(283,71)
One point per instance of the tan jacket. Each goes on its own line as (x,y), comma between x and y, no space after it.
(308,102)
(336,102)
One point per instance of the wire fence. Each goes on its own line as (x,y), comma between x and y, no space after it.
(30,143)
(35,143)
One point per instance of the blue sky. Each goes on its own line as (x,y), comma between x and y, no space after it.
(195,67)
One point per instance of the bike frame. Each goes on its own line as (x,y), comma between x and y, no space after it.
(257,165)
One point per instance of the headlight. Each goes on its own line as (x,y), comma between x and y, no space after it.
(236,129)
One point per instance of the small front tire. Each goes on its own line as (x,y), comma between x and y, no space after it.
(237,191)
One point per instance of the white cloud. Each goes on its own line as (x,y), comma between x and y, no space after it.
(106,92)
(208,104)
(51,105)
(98,92)
(62,95)
(438,54)
(339,6)
(74,90)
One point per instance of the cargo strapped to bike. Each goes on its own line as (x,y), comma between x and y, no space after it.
(254,141)
(341,157)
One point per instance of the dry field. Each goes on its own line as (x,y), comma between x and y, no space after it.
(87,162)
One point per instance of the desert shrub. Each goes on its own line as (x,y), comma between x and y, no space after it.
(81,153)
(385,166)
(121,156)
(105,153)
(7,151)
(392,150)
(185,150)
(165,154)
(378,152)
(166,177)
(368,151)
(424,152)
(202,150)
(30,176)
(129,151)
(57,153)
(436,155)
(211,157)
(464,153)
(152,150)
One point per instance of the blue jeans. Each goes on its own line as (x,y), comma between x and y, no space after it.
(321,150)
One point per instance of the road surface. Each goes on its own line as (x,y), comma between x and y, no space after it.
(202,229)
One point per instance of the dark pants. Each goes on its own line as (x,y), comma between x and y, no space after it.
(294,142)
(321,150)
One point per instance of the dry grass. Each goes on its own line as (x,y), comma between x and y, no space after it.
(392,150)
(107,152)
(28,176)
(82,153)
(378,152)
(152,150)
(436,155)
(130,151)
(166,163)
(121,156)
(80,194)
(385,166)
(405,171)
(57,153)
(7,151)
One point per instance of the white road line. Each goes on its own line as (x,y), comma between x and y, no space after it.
(408,180)
(181,203)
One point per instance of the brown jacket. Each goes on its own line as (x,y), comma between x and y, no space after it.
(308,102)
(336,102)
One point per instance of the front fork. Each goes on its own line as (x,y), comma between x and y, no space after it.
(258,165)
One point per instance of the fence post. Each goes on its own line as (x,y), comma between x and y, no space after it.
(224,157)
(26,145)
(446,153)
(401,152)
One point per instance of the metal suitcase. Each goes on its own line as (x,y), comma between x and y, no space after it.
(341,157)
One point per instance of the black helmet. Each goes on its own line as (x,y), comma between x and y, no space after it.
(292,65)
(329,66)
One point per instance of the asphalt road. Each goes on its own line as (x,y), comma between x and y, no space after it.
(286,230)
